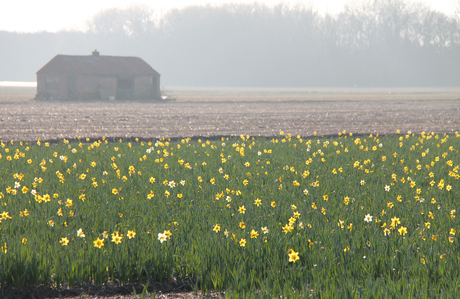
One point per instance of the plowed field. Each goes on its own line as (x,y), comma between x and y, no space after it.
(234,113)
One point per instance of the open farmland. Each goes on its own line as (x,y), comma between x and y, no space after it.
(282,216)
(231,112)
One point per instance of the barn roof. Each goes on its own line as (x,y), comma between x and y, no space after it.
(96,64)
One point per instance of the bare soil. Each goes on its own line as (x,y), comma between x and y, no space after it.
(163,291)
(27,121)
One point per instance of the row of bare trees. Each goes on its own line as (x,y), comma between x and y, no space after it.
(359,26)
(374,43)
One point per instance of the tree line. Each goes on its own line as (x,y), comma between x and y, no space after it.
(376,43)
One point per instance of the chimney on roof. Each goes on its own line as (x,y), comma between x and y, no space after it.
(95,54)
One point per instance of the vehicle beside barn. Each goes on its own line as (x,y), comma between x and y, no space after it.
(97,77)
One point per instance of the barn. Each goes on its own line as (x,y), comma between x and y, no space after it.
(97,77)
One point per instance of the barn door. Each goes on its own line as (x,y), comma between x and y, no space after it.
(71,85)
(125,88)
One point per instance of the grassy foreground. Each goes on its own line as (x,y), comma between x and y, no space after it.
(344,216)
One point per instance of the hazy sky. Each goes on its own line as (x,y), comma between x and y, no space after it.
(54,15)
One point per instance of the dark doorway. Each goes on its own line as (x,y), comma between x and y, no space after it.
(125,88)
(71,85)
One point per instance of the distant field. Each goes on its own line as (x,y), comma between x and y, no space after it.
(23,93)
(57,120)
(200,94)
(16,93)
(208,112)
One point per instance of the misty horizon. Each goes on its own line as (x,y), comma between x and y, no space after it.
(386,43)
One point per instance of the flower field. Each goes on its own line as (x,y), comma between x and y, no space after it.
(351,216)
